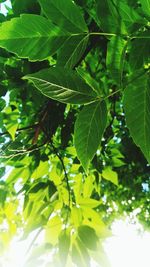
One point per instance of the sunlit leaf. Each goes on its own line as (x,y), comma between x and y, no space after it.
(88,202)
(11,121)
(41,170)
(53,229)
(110,175)
(88,186)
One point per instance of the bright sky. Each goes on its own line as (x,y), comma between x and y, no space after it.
(126,248)
(3,8)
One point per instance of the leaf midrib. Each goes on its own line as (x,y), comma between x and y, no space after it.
(90,127)
(61,87)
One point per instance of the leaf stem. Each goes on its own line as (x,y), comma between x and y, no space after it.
(112,94)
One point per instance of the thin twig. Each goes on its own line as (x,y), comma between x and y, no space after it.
(23,152)
(21,129)
(64,169)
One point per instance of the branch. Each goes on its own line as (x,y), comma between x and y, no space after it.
(21,129)
(23,151)
(64,169)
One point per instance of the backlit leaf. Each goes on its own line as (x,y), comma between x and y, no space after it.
(110,175)
(11,121)
(53,229)
(64,245)
(88,236)
(80,255)
(88,202)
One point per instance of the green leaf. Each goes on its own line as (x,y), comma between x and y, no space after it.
(140,47)
(80,255)
(109,18)
(27,6)
(88,202)
(65,14)
(110,175)
(88,236)
(146,6)
(88,186)
(119,17)
(53,229)
(11,121)
(72,51)
(64,245)
(62,85)
(90,81)
(41,170)
(115,57)
(76,216)
(131,19)
(2,104)
(16,173)
(31,36)
(89,128)
(137,112)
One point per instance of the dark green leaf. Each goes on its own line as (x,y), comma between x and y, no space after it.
(31,36)
(131,19)
(63,85)
(65,14)
(137,112)
(72,50)
(89,128)
(146,6)
(2,103)
(115,57)
(109,19)
(25,6)
(140,47)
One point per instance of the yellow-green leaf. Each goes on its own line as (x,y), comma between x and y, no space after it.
(110,175)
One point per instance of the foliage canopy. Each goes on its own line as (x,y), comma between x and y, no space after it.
(74,123)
